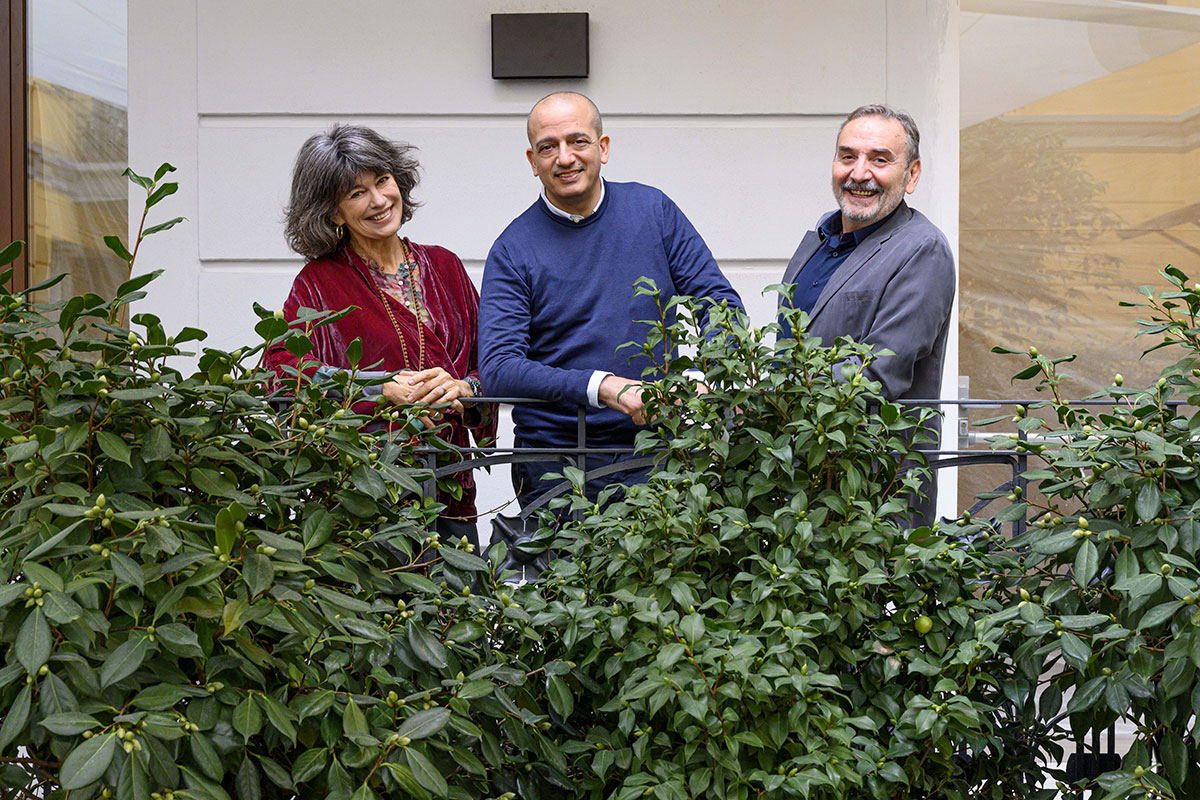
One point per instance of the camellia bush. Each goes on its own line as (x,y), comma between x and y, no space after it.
(1106,594)
(757,621)
(213,588)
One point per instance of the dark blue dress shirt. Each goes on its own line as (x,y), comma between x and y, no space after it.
(833,251)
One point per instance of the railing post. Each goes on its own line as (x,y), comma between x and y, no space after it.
(581,441)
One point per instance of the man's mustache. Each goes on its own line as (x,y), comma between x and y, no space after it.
(860,186)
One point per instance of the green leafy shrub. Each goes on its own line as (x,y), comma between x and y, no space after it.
(204,595)
(1109,578)
(755,621)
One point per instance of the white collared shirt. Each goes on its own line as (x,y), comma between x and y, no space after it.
(558,212)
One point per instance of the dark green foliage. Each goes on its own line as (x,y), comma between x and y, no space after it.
(1109,586)
(756,621)
(206,594)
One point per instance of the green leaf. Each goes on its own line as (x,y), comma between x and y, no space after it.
(1079,622)
(309,765)
(692,627)
(61,609)
(134,781)
(426,646)
(1175,757)
(425,723)
(115,244)
(113,446)
(1053,545)
(1159,614)
(277,774)
(179,638)
(354,722)
(426,774)
(127,570)
(1075,650)
(56,696)
(257,572)
(461,559)
(1087,562)
(313,704)
(248,782)
(354,352)
(162,226)
(158,697)
(125,660)
(10,254)
(206,756)
(140,180)
(88,762)
(1140,585)
(156,445)
(40,573)
(15,717)
(211,482)
(233,615)
(247,718)
(34,641)
(163,191)
(271,328)
(561,699)
(1148,502)
(280,717)
(69,723)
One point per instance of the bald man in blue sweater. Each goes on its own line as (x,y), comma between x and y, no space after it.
(558,299)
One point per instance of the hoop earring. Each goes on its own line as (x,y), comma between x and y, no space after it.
(340,231)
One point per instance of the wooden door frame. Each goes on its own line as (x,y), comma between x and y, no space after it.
(13,149)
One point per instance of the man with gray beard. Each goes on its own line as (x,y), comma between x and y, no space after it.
(876,270)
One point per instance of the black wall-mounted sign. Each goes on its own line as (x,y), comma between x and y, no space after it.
(540,45)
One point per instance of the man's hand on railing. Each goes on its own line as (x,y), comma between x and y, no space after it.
(624,395)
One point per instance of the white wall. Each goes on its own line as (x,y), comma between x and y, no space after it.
(731,108)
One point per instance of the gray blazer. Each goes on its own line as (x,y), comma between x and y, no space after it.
(894,292)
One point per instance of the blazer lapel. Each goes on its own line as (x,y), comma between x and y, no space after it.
(861,255)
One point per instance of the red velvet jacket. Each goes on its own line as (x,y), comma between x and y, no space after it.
(342,279)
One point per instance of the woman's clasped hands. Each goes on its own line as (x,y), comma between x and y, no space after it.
(432,387)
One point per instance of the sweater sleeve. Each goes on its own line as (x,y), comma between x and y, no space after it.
(693,268)
(505,321)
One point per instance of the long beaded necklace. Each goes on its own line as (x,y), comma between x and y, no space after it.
(411,264)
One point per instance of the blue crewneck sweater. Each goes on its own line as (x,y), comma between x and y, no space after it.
(558,300)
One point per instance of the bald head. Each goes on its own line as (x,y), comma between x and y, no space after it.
(564,100)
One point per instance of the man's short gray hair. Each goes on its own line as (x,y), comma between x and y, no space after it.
(327,167)
(912,137)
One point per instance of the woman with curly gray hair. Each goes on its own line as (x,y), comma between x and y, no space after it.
(417,311)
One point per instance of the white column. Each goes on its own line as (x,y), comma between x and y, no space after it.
(162,127)
(923,79)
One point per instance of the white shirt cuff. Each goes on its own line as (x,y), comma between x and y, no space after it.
(694,374)
(593,389)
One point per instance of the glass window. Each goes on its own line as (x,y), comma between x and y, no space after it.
(1080,169)
(77,117)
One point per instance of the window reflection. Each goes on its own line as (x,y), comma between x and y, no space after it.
(77,139)
(1080,145)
